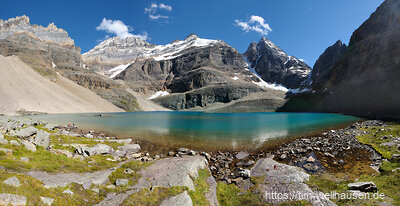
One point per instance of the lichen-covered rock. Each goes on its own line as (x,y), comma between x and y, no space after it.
(11,199)
(97,149)
(29,146)
(47,200)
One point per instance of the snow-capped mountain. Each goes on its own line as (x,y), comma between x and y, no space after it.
(114,54)
(273,65)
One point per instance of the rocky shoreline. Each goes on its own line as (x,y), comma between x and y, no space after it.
(332,152)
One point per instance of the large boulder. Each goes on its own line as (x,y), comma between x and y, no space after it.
(42,139)
(288,182)
(97,149)
(363,186)
(171,172)
(26,132)
(129,149)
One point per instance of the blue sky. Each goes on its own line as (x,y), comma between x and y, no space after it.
(302,28)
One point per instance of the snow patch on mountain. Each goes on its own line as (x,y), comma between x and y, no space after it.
(159,93)
(117,70)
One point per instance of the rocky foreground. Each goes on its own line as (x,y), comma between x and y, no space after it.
(43,164)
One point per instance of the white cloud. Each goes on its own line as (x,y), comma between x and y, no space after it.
(256,23)
(158,17)
(118,28)
(155,8)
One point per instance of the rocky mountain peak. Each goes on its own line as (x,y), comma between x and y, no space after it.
(273,65)
(14,21)
(191,37)
(50,34)
(325,63)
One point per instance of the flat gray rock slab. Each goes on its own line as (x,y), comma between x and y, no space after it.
(211,195)
(10,199)
(12,181)
(26,132)
(63,179)
(171,172)
(113,199)
(182,199)
(285,181)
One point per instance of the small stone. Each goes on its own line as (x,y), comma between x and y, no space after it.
(7,151)
(24,159)
(245,173)
(311,159)
(341,161)
(282,157)
(135,155)
(29,146)
(12,181)
(205,154)
(129,171)
(183,150)
(47,200)
(242,155)
(68,191)
(87,185)
(191,152)
(110,186)
(171,154)
(96,190)
(121,182)
(14,142)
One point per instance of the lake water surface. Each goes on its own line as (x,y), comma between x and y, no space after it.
(207,130)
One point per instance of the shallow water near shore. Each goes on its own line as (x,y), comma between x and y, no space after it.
(204,130)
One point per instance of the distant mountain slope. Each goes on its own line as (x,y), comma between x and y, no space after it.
(23,88)
(365,80)
(273,65)
(49,50)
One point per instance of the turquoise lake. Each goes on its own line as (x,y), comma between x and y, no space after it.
(204,130)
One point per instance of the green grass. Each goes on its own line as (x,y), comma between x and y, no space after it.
(153,197)
(44,160)
(201,188)
(375,139)
(388,183)
(135,166)
(33,190)
(59,140)
(230,195)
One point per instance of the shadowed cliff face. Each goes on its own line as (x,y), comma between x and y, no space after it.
(366,79)
(325,63)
